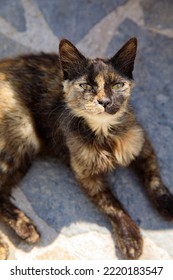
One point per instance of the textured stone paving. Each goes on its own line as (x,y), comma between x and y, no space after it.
(70,225)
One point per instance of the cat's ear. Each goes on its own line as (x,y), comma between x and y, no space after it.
(123,60)
(72,61)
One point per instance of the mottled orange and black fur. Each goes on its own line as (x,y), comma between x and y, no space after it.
(78,107)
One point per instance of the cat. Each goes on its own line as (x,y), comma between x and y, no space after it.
(72,106)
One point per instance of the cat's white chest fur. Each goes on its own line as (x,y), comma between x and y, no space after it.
(125,147)
(128,145)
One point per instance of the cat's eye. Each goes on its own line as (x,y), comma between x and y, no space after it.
(118,86)
(86,86)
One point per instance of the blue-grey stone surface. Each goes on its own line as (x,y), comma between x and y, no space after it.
(71,226)
(13,12)
(73,19)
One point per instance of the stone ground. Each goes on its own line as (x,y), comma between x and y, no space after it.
(70,225)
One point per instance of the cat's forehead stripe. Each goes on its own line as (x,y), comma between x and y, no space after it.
(99,79)
(98,65)
(99,61)
(101,67)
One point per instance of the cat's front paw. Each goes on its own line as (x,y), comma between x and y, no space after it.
(129,238)
(25,228)
(28,232)
(164,204)
(3,250)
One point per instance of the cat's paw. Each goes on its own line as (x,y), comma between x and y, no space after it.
(25,228)
(129,238)
(164,204)
(3,250)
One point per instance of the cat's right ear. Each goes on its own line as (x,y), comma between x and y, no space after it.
(123,60)
(72,61)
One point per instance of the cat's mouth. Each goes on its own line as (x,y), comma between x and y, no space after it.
(112,109)
(97,107)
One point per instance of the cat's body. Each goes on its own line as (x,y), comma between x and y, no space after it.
(75,107)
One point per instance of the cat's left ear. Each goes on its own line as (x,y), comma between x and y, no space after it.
(123,60)
(72,61)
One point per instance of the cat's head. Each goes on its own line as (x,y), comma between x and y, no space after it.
(97,86)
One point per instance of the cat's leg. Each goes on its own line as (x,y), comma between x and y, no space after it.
(18,221)
(3,250)
(15,158)
(19,144)
(147,166)
(12,215)
(125,230)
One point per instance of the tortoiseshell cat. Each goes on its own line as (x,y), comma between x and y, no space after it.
(72,105)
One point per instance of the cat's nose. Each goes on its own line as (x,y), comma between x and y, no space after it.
(104,102)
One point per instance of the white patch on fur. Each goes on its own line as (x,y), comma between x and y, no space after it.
(28,133)
(7,99)
(128,146)
(102,123)
(11,107)
(4,166)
